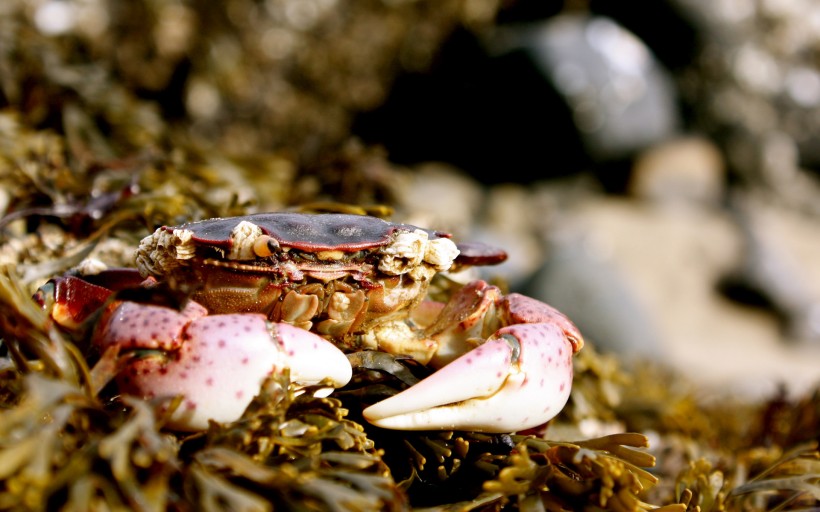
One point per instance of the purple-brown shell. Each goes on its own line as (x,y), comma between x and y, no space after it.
(479,254)
(304,231)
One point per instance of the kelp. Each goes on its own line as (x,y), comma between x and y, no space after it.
(291,450)
(603,472)
(790,481)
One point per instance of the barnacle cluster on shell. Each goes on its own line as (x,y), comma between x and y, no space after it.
(408,250)
(160,252)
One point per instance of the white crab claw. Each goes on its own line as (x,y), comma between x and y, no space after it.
(520,378)
(216,363)
(311,358)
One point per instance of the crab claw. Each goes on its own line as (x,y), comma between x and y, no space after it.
(518,379)
(216,363)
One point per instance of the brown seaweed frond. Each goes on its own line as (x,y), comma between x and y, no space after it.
(791,483)
(702,487)
(35,458)
(58,446)
(293,450)
(223,479)
(142,459)
(598,474)
(33,342)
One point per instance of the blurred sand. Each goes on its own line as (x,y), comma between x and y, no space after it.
(673,258)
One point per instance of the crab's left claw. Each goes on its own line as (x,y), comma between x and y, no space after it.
(216,363)
(518,379)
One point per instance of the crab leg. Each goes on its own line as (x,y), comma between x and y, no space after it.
(519,378)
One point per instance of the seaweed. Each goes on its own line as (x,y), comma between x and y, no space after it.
(790,482)
(292,451)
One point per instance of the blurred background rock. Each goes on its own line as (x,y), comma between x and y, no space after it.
(651,166)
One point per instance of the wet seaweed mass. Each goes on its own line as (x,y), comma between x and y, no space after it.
(119,117)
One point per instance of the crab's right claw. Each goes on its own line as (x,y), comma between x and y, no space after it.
(519,379)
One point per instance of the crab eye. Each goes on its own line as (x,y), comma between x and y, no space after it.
(264,246)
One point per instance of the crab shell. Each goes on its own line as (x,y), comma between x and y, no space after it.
(336,241)
(335,274)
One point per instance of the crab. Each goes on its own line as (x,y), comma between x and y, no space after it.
(271,291)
